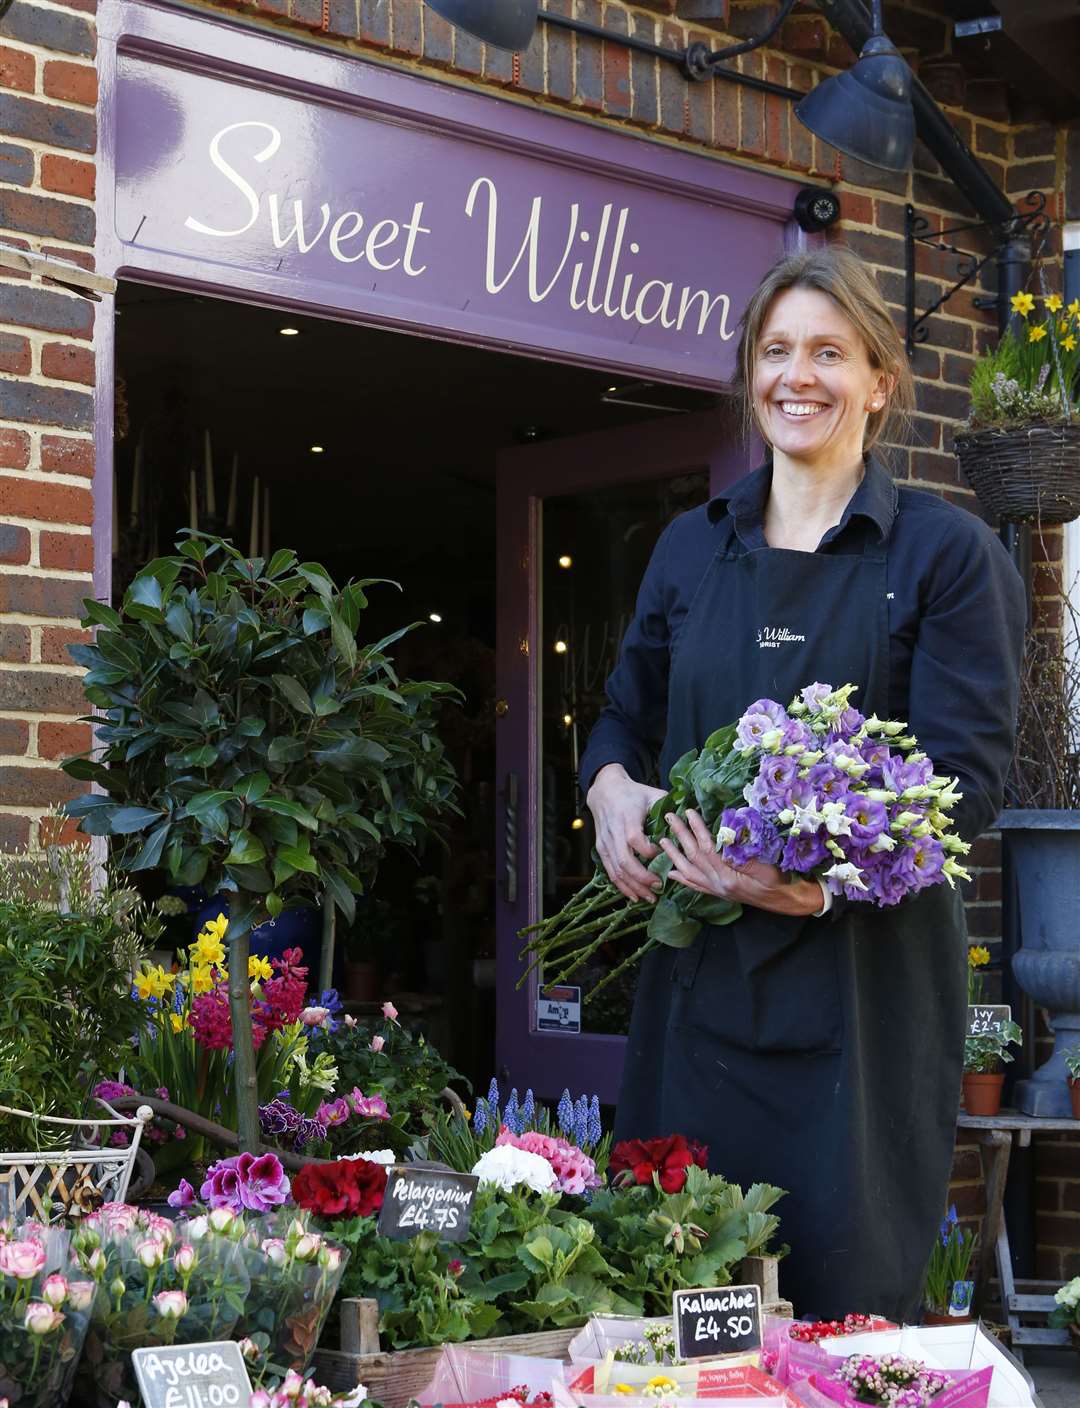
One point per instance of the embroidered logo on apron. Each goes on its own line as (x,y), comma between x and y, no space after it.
(773,637)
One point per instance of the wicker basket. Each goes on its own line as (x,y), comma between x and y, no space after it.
(1030,474)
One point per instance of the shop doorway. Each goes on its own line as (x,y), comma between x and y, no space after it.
(386,455)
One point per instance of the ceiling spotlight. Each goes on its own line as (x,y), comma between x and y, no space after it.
(316,449)
(289,332)
(560,647)
(577,823)
(568,719)
(434,616)
(506,24)
(566,560)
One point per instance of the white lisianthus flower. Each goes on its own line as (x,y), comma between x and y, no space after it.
(1069,1294)
(952,870)
(837,822)
(358,1396)
(837,876)
(507,1168)
(880,794)
(891,727)
(884,842)
(725,836)
(771,740)
(812,756)
(806,819)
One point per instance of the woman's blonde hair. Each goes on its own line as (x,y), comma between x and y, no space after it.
(840,274)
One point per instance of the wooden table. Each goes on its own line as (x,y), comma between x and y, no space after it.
(996,1135)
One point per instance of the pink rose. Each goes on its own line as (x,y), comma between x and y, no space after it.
(23,1260)
(184,1258)
(171,1305)
(377,1043)
(389,1011)
(81,1295)
(42,1319)
(54,1291)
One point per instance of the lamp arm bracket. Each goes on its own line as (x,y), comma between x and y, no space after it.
(700,59)
(917,231)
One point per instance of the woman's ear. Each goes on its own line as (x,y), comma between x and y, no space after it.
(883,389)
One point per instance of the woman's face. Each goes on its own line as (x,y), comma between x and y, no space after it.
(813,383)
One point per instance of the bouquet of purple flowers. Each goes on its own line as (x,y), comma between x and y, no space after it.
(815,788)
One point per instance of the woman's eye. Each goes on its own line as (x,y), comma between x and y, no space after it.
(831,354)
(774,351)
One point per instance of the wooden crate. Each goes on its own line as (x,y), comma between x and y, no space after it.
(394,1377)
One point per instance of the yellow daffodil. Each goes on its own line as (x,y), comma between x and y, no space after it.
(1069,343)
(202,978)
(207,948)
(176,1021)
(624,1388)
(1036,334)
(259,967)
(1053,302)
(153,982)
(978,957)
(467,1114)
(217,927)
(1074,308)
(1022,303)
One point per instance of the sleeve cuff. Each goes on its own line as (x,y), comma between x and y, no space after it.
(826,901)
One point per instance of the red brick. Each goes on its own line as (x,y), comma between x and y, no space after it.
(51,503)
(14,449)
(68,176)
(42,692)
(42,215)
(1056,1160)
(42,308)
(751,110)
(82,257)
(16,69)
(802,143)
(967,1167)
(71,83)
(14,833)
(55,641)
(14,737)
(69,552)
(65,361)
(14,354)
(14,545)
(856,208)
(405,17)
(60,454)
(699,102)
(616,59)
(15,644)
(777,113)
(62,740)
(37,787)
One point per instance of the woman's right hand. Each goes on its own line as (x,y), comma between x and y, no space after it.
(619,806)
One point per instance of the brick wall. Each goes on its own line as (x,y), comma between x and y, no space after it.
(48,91)
(47,145)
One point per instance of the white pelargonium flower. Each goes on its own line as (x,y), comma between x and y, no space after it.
(507,1168)
(358,1396)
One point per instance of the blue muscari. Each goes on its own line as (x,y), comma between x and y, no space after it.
(511,1115)
(595,1129)
(479,1120)
(581,1122)
(565,1113)
(528,1109)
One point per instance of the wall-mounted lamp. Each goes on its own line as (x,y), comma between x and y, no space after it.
(866,111)
(507,24)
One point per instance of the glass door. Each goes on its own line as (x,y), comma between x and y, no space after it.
(577,520)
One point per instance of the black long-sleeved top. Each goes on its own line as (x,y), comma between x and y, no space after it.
(956,620)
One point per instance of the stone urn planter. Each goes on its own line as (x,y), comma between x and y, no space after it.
(1045,850)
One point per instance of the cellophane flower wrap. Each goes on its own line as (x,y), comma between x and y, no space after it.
(45,1302)
(157,1284)
(815,788)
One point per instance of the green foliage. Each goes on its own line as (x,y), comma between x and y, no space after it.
(1018,380)
(67,954)
(1072,1062)
(983,1054)
(452,1139)
(250,744)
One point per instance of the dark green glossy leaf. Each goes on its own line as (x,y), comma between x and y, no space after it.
(315,621)
(293,693)
(128,819)
(293,810)
(298,859)
(178,620)
(98,614)
(246,849)
(144,591)
(668,925)
(351,754)
(149,857)
(204,801)
(344,639)
(252,787)
(251,727)
(341,892)
(286,750)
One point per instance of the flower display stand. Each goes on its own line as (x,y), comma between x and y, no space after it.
(394,1377)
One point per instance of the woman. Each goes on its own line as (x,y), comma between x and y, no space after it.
(814,1044)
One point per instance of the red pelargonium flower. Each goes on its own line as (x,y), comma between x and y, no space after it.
(347,1188)
(669,1158)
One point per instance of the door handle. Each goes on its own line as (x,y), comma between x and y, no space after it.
(510,838)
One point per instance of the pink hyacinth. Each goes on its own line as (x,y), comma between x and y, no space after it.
(574,1170)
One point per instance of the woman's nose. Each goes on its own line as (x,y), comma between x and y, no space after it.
(800,369)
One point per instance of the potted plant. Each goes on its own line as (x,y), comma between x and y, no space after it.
(947,1290)
(1072,1066)
(1041,822)
(250,745)
(983,1057)
(1066,1313)
(1020,451)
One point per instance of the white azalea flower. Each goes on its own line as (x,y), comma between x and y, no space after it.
(507,1168)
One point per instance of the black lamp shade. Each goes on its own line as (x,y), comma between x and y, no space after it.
(865,111)
(506,24)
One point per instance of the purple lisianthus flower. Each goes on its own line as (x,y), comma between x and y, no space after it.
(795,731)
(814,695)
(876,755)
(927,858)
(755,837)
(849,722)
(899,774)
(892,877)
(183,1196)
(777,773)
(752,728)
(803,852)
(868,818)
(800,793)
(333,1112)
(246,1181)
(829,783)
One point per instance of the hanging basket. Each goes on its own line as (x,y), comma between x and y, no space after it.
(1029,474)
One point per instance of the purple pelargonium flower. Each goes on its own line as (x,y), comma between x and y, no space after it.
(755,837)
(112,1090)
(279,1117)
(183,1196)
(333,1112)
(245,1181)
(368,1107)
(868,818)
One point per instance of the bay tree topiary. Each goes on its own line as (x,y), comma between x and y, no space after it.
(247,743)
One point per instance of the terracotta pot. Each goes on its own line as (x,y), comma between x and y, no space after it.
(1074,1096)
(935,1317)
(361,982)
(982,1092)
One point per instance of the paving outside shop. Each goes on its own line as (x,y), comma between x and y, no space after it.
(514,282)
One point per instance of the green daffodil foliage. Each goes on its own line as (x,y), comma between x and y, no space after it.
(249,742)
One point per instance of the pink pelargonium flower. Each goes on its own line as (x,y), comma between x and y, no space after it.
(21,1260)
(389,1011)
(368,1107)
(245,1181)
(377,1043)
(574,1170)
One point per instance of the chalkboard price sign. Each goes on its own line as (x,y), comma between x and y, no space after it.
(210,1375)
(726,1320)
(420,1199)
(985,1017)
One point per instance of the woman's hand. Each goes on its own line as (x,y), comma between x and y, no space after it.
(697,864)
(619,806)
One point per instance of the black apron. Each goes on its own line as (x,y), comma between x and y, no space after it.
(820,1055)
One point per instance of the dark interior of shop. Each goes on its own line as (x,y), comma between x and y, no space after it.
(372,452)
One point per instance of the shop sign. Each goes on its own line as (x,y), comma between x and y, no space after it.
(427,1199)
(984,1018)
(709,1323)
(211,1375)
(474,218)
(558,1009)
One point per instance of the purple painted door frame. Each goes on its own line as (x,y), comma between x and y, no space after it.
(526,476)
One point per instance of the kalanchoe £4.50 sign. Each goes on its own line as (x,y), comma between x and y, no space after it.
(816,789)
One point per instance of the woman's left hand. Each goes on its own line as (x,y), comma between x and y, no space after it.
(697,864)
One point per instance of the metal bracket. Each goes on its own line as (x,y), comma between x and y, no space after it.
(917,231)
